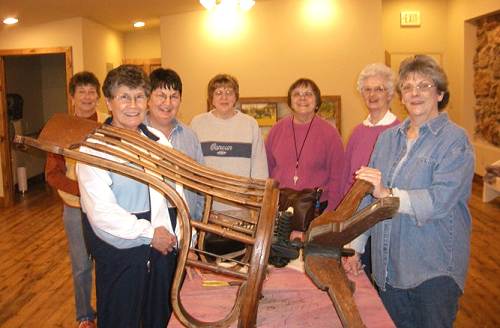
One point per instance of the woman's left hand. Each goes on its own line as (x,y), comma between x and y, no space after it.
(374,177)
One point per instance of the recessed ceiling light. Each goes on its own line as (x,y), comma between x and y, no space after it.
(10,20)
(139,24)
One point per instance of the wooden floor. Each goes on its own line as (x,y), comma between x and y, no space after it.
(35,278)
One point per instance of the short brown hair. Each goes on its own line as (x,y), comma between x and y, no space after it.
(303,82)
(131,76)
(428,67)
(221,80)
(84,78)
(165,78)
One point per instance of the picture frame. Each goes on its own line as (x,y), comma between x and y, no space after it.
(330,110)
(265,113)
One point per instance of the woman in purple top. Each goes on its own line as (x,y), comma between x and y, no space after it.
(376,85)
(305,151)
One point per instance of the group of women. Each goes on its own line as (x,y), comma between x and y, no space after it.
(419,256)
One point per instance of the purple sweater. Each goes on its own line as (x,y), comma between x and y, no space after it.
(321,161)
(359,149)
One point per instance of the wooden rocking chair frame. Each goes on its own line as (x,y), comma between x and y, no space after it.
(154,164)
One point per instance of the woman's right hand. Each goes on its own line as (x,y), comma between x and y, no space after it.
(163,241)
(352,264)
(374,177)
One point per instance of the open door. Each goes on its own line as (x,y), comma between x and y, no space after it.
(7,190)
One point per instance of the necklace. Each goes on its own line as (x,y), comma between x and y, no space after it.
(297,154)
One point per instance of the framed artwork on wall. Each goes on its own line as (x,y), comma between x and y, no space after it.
(264,112)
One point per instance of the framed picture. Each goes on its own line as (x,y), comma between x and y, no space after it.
(264,112)
(330,111)
(268,110)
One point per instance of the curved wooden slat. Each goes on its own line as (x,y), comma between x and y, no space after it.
(154,164)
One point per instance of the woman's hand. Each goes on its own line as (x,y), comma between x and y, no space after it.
(352,264)
(163,241)
(374,177)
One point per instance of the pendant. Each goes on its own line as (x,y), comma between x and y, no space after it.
(296,176)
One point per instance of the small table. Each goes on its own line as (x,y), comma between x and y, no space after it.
(290,299)
(491,188)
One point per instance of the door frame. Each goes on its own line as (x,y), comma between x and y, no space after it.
(5,151)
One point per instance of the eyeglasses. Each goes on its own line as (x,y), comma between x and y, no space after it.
(224,92)
(127,99)
(305,94)
(87,92)
(421,87)
(162,97)
(376,90)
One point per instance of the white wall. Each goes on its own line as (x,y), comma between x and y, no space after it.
(63,33)
(53,80)
(101,46)
(141,44)
(275,46)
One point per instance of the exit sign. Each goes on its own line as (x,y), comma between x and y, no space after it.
(410,18)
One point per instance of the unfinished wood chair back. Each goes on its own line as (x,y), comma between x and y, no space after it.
(325,239)
(154,164)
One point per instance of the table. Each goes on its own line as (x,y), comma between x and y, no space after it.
(491,186)
(290,300)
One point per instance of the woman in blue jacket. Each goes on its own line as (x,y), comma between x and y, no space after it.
(420,256)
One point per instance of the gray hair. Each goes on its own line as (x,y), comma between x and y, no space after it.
(426,66)
(380,70)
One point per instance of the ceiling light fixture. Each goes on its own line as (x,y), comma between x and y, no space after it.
(139,24)
(10,20)
(243,4)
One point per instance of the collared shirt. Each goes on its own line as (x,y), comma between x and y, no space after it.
(388,119)
(185,140)
(432,237)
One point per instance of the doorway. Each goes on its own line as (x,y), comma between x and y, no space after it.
(36,81)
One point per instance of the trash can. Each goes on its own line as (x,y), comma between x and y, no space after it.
(22,180)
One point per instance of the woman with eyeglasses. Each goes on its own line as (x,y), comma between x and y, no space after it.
(420,255)
(303,150)
(126,224)
(230,140)
(376,86)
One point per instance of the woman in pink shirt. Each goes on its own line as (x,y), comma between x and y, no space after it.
(303,150)
(376,86)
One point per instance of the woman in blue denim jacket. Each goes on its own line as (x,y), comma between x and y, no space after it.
(420,255)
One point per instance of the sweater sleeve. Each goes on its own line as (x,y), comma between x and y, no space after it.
(271,161)
(336,165)
(347,170)
(55,174)
(259,159)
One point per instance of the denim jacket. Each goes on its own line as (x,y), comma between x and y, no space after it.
(185,140)
(433,240)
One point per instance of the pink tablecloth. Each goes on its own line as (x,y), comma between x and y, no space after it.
(290,300)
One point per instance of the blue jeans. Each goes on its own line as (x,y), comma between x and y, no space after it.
(81,264)
(432,304)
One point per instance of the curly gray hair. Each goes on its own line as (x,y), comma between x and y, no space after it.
(381,70)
